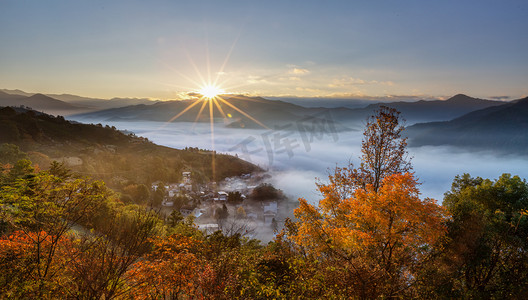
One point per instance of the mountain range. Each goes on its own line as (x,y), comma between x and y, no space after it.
(269,112)
(460,120)
(277,112)
(503,128)
(65,104)
(43,103)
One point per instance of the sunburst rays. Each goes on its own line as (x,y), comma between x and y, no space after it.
(211,95)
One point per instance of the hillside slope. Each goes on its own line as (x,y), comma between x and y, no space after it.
(108,154)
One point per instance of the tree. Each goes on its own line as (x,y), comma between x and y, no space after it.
(159,194)
(266,191)
(171,271)
(371,233)
(98,265)
(68,238)
(174,218)
(10,154)
(59,170)
(222,213)
(41,209)
(383,148)
(374,240)
(383,153)
(486,253)
(234,197)
(138,192)
(241,213)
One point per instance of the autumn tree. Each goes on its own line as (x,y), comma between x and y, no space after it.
(373,241)
(383,151)
(98,264)
(65,237)
(371,232)
(41,209)
(383,148)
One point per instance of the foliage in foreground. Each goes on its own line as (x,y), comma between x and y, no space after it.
(371,236)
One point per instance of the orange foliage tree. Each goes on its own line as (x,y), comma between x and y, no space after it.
(171,271)
(374,240)
(371,231)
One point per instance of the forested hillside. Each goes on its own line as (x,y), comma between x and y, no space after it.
(106,153)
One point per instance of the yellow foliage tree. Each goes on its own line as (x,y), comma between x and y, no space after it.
(375,241)
(371,232)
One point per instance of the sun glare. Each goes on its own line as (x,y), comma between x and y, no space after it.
(210,91)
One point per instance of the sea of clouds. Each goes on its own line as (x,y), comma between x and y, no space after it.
(297,159)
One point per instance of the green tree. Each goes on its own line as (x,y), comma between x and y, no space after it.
(159,194)
(266,191)
(234,197)
(59,170)
(222,213)
(174,218)
(486,255)
(10,154)
(43,209)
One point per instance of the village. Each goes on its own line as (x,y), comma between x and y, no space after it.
(242,205)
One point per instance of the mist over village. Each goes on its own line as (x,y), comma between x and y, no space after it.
(263,150)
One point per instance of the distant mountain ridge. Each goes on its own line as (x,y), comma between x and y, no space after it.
(41,102)
(439,110)
(241,111)
(81,104)
(503,128)
(276,112)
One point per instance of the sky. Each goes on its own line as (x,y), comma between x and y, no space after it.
(329,49)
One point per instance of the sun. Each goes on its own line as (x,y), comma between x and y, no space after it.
(210,91)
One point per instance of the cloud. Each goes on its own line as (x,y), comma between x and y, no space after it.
(351,81)
(302,89)
(383,98)
(252,79)
(290,78)
(500,98)
(435,167)
(298,71)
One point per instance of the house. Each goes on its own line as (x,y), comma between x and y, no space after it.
(167,202)
(222,196)
(187,182)
(186,178)
(186,210)
(270,212)
(155,185)
(173,192)
(208,228)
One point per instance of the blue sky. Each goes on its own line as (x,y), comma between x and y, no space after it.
(355,49)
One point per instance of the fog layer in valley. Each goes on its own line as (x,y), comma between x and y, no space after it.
(295,159)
